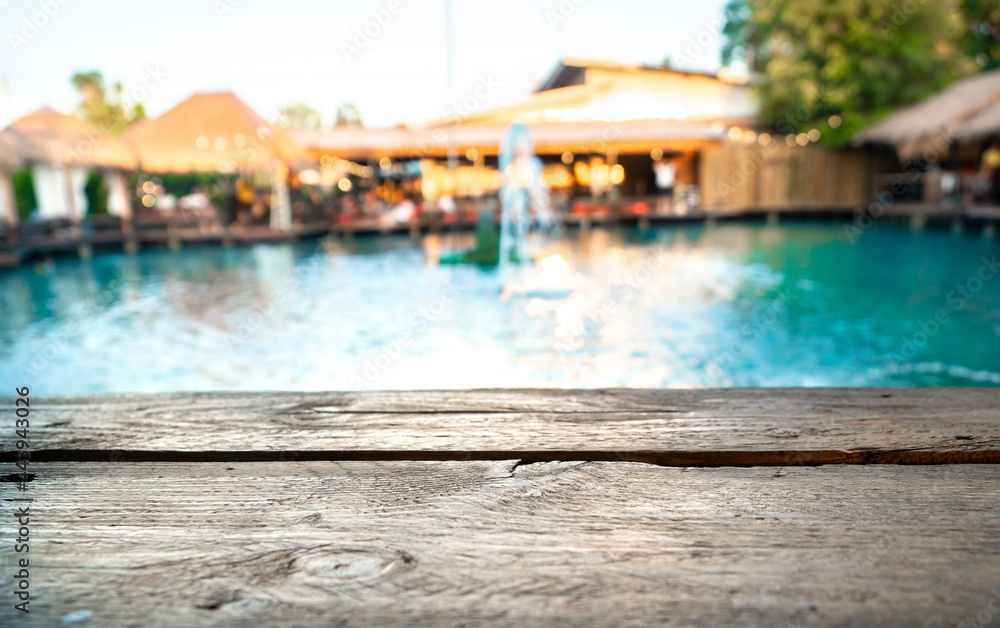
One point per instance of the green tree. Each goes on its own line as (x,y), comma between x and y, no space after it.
(96,193)
(108,111)
(840,66)
(981,41)
(299,116)
(24,193)
(348,115)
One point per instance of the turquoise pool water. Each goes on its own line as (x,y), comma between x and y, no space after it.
(735,305)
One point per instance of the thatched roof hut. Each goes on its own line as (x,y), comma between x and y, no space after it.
(211,133)
(50,137)
(982,126)
(969,108)
(9,158)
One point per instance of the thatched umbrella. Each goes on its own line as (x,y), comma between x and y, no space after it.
(10,158)
(211,133)
(219,133)
(9,161)
(930,125)
(53,138)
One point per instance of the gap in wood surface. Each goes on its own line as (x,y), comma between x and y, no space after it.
(776,458)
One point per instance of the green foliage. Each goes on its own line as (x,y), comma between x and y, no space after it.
(348,115)
(183,184)
(299,116)
(741,38)
(109,112)
(982,38)
(24,192)
(97,195)
(858,60)
(212,184)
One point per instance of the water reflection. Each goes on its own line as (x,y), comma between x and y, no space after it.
(736,305)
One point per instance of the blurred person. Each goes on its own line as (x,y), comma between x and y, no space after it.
(989,171)
(374,206)
(405,212)
(666,177)
(446,204)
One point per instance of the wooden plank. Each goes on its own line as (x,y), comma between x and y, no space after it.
(474,543)
(741,426)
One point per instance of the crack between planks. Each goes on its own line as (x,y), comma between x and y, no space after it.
(475,411)
(517,464)
(666,458)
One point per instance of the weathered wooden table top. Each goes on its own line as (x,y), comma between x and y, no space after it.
(756,507)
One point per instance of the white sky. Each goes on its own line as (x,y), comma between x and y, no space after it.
(273,53)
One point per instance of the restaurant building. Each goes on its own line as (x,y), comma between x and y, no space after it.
(609,131)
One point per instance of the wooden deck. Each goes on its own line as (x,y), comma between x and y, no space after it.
(754,507)
(978,219)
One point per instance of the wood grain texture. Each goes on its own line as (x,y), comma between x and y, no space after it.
(474,543)
(765,426)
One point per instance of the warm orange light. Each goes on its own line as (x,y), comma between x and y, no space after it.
(557,176)
(601,175)
(617,174)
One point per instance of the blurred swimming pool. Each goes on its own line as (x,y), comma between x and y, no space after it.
(735,305)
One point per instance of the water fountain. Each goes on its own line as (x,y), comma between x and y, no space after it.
(523,191)
(522,195)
